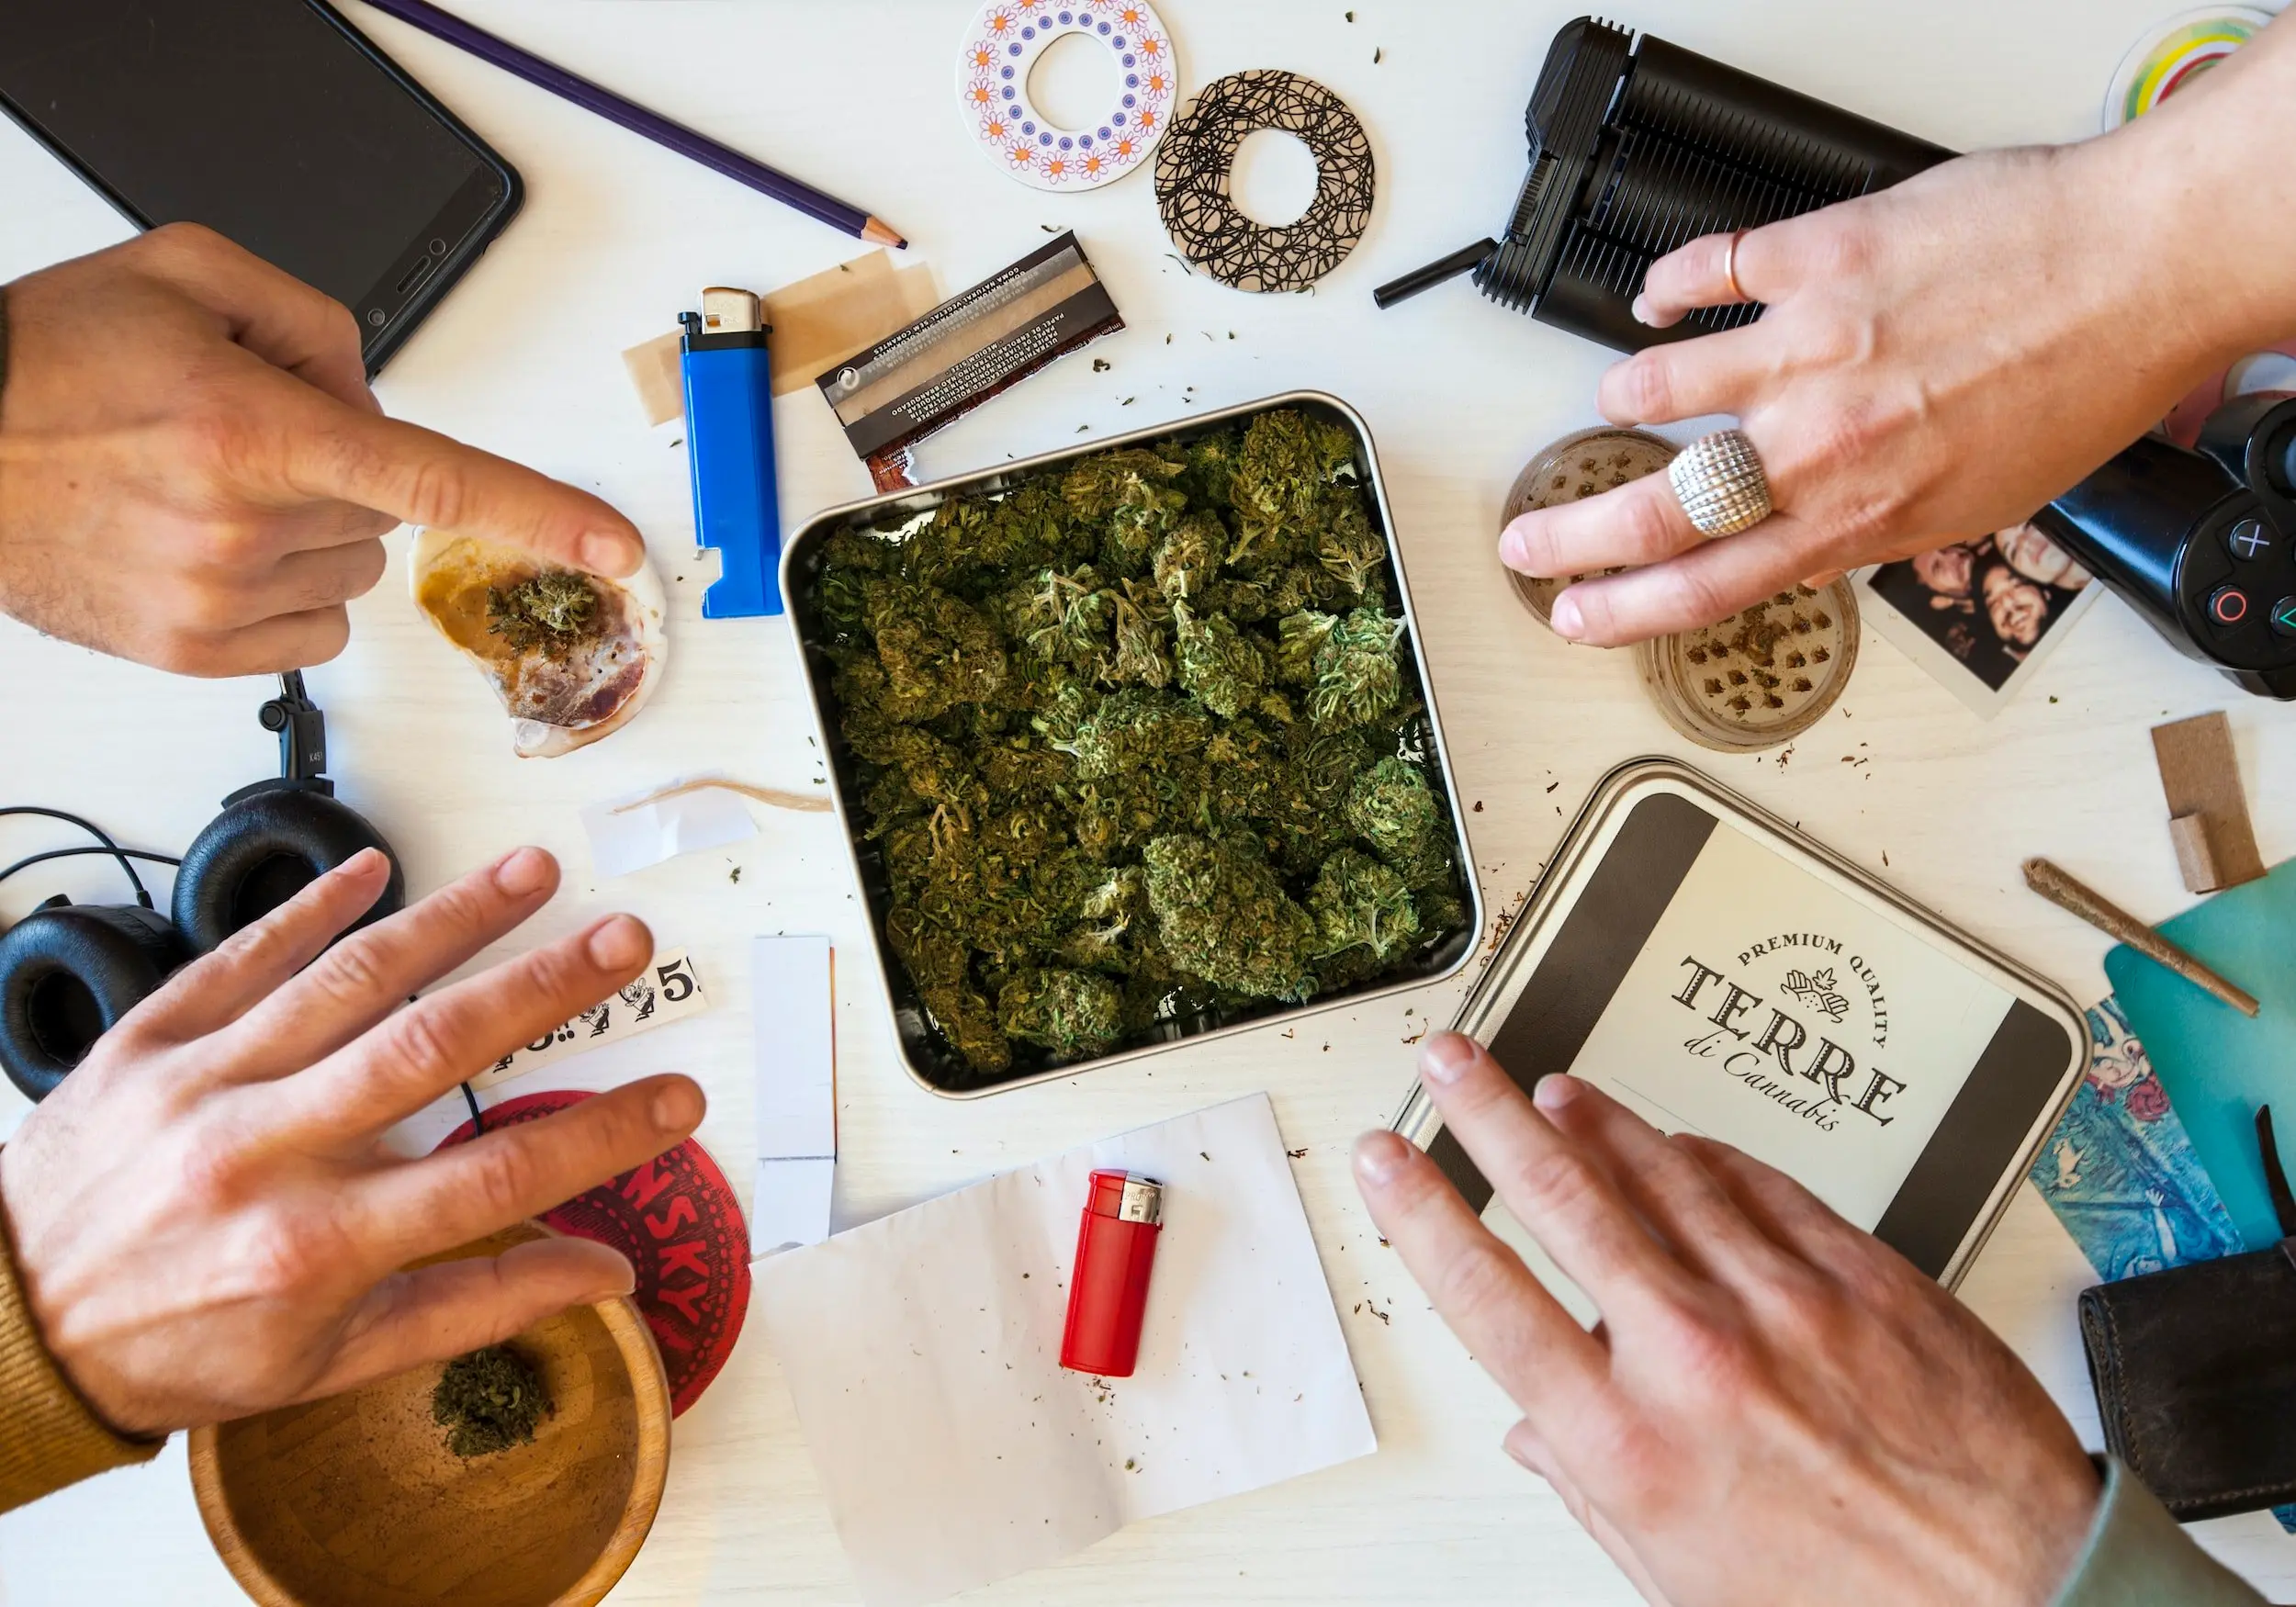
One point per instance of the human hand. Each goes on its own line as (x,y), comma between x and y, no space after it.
(204,1221)
(194,474)
(1775,1408)
(1937,361)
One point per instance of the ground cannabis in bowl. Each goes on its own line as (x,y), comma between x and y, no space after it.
(1136,741)
(488,1401)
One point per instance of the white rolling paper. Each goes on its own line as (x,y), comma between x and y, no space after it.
(923,1353)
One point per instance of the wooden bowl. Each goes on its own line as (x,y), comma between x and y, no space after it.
(356,1502)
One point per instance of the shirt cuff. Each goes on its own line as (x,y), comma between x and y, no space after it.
(2138,1556)
(49,1438)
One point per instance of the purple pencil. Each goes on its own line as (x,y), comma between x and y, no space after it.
(699,148)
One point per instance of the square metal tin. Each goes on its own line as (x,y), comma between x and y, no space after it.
(933,1065)
(1559,889)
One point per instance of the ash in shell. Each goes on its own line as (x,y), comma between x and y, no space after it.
(572,655)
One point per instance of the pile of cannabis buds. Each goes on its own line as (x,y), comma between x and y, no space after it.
(1137,743)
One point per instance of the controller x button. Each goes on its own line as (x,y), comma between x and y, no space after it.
(2249,540)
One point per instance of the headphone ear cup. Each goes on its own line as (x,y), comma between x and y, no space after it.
(68,972)
(262,850)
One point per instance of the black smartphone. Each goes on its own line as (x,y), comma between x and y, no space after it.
(277,124)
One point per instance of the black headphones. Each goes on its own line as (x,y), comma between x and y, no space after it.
(68,972)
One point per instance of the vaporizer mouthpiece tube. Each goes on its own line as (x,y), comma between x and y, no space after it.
(1108,1292)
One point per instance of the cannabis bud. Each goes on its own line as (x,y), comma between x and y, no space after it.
(1392,807)
(553,611)
(1365,916)
(1225,916)
(1072,1013)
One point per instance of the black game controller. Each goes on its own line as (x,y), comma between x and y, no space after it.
(2201,542)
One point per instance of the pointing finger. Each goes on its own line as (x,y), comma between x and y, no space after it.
(423,477)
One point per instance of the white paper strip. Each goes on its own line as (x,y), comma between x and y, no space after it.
(668,991)
(793,1003)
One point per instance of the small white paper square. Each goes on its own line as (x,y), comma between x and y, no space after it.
(622,839)
(923,1353)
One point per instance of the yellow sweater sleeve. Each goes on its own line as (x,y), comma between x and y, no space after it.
(48,1436)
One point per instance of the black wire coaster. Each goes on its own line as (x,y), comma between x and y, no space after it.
(1195,164)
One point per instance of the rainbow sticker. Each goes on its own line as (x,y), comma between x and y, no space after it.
(2173,55)
(1002,46)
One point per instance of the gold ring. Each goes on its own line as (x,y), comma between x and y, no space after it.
(1729,266)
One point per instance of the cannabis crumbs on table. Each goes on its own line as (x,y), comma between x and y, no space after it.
(1137,741)
(490,1400)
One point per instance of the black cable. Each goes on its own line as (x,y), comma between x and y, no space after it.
(122,855)
(2275,1179)
(477,1122)
(143,895)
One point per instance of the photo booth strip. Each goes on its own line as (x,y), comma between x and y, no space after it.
(1952,635)
(1194,172)
(1002,48)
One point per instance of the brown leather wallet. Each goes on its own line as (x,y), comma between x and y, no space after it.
(2195,1371)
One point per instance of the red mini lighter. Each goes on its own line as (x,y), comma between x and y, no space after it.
(1108,1292)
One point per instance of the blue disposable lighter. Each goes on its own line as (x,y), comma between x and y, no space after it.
(729,438)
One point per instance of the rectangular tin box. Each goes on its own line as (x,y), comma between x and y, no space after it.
(922,1055)
(1493,997)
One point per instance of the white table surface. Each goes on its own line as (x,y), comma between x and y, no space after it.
(617,236)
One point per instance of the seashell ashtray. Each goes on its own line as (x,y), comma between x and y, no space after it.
(572,655)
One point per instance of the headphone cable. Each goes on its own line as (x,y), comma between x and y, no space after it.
(31,860)
(125,855)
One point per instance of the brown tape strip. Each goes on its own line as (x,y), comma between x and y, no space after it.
(2200,775)
(817,323)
